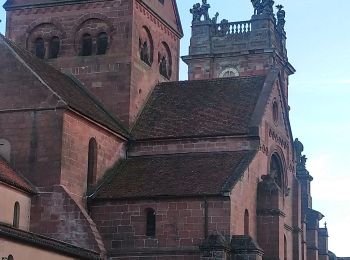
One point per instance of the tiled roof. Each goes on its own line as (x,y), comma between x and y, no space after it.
(176,175)
(199,108)
(10,177)
(46,243)
(67,89)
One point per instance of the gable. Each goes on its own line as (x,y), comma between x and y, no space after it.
(167,11)
(30,83)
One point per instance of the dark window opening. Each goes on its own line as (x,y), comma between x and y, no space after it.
(285,249)
(161,1)
(102,43)
(276,170)
(16,214)
(92,164)
(86,48)
(40,48)
(10,257)
(54,47)
(246,223)
(150,223)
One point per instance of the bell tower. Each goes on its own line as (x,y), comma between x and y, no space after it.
(119,49)
(242,48)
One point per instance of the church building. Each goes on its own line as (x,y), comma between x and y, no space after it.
(105,154)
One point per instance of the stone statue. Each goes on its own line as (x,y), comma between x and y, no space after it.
(303,160)
(205,10)
(299,148)
(267,6)
(281,15)
(196,12)
(215,18)
(258,7)
(224,27)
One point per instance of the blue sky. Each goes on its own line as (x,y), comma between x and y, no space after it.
(318,46)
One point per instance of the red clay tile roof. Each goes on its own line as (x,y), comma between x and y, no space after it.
(199,108)
(46,243)
(176,175)
(67,89)
(10,177)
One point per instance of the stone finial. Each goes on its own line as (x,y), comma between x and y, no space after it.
(281,15)
(325,225)
(199,10)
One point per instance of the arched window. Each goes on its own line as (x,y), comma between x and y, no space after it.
(86,45)
(275,112)
(40,48)
(246,223)
(102,43)
(150,222)
(10,257)
(92,163)
(276,170)
(54,47)
(16,215)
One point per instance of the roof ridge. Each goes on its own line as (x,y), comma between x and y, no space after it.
(211,80)
(8,43)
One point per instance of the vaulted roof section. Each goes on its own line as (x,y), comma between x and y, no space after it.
(195,174)
(11,178)
(33,84)
(218,107)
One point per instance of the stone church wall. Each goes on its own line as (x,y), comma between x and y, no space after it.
(180,224)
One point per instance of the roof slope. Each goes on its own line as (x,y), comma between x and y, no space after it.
(215,107)
(46,243)
(10,177)
(176,175)
(66,89)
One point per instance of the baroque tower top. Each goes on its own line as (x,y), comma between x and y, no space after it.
(243,48)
